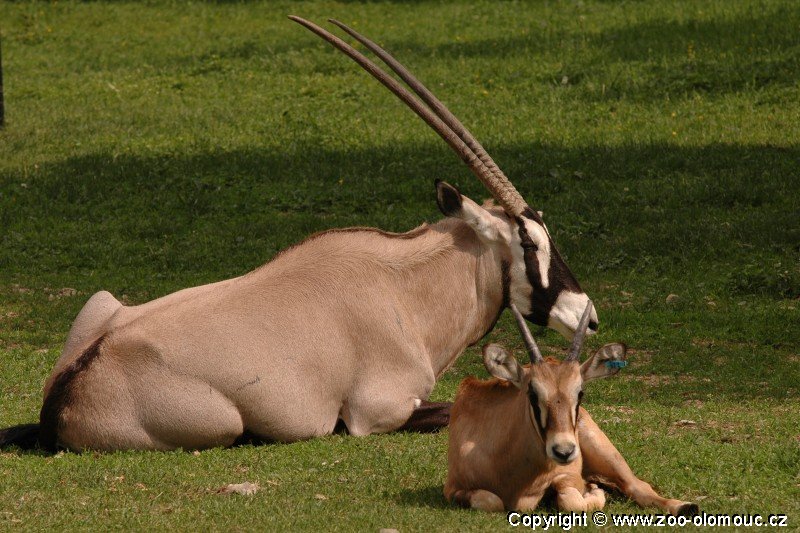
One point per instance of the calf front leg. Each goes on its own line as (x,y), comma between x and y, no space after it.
(602,461)
(571,498)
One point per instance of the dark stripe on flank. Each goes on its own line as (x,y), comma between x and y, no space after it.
(60,396)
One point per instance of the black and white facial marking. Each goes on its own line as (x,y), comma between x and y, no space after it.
(540,283)
(542,286)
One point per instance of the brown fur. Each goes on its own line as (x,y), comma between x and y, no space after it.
(493,446)
(497,459)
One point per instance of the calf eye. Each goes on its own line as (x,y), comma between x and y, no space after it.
(537,411)
(533,397)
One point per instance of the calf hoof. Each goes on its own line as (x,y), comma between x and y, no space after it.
(688,509)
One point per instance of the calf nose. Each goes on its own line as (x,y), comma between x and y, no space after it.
(563,452)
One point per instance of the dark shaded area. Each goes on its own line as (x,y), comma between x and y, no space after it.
(427,496)
(429,417)
(23,436)
(2,99)
(727,207)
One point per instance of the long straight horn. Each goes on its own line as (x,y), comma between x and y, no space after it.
(530,344)
(500,186)
(580,333)
(505,196)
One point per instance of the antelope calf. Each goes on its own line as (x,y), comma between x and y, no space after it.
(515,438)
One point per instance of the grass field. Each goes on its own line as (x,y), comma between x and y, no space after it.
(153,146)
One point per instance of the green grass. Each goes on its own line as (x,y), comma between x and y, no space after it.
(153,146)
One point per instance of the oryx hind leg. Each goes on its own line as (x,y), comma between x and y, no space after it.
(126,399)
(602,462)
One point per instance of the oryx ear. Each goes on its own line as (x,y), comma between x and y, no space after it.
(502,365)
(448,198)
(605,362)
(453,204)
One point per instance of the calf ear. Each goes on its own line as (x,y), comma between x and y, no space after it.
(502,365)
(605,362)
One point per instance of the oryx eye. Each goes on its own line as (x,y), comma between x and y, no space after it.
(580,397)
(530,246)
(578,405)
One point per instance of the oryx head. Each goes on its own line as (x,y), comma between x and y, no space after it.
(541,284)
(553,391)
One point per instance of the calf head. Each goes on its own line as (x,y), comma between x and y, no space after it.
(554,390)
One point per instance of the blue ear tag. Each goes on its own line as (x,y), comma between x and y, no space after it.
(616,364)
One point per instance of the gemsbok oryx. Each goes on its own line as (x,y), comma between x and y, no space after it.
(520,435)
(351,325)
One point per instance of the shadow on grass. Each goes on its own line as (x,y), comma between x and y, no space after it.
(430,496)
(609,207)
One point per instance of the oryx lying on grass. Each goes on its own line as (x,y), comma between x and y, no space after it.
(515,437)
(351,324)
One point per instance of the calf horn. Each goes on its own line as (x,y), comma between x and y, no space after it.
(580,334)
(440,119)
(530,344)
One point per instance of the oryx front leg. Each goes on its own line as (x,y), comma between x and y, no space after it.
(602,461)
(382,401)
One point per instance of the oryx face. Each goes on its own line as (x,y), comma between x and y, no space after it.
(541,284)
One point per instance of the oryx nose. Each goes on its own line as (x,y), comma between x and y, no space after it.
(593,325)
(563,452)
